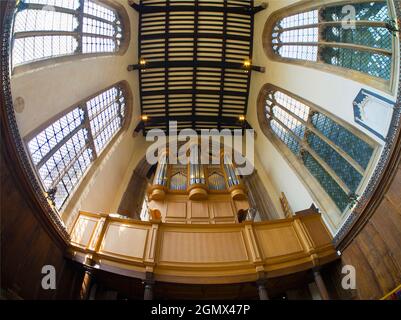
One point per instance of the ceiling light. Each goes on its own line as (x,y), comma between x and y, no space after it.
(247,63)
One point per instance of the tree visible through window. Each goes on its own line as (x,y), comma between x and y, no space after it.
(335,156)
(363,44)
(63,152)
(50,28)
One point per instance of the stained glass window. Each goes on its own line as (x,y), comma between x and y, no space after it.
(51,28)
(336,157)
(63,151)
(331,34)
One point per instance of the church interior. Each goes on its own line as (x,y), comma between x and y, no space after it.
(305,204)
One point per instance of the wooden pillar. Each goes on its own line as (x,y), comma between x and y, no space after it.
(92,292)
(261,284)
(320,284)
(86,285)
(148,289)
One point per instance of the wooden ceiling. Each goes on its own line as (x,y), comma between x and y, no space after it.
(193,55)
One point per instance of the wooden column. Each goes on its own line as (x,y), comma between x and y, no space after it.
(261,284)
(320,284)
(86,285)
(148,289)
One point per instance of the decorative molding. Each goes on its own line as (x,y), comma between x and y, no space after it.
(10,129)
(373,112)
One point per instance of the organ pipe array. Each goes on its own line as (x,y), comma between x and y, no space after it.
(196,180)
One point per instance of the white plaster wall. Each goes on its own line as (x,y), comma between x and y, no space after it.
(331,92)
(52,89)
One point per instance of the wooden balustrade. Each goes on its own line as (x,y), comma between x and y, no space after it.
(201,254)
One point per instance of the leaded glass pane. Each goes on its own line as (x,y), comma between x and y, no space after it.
(54,134)
(355,147)
(300,19)
(62,152)
(61,159)
(69,4)
(284,135)
(72,178)
(303,36)
(289,121)
(297,107)
(300,35)
(367,11)
(377,65)
(106,112)
(98,44)
(98,27)
(361,35)
(41,47)
(43,20)
(300,52)
(341,167)
(335,192)
(99,11)
(101,31)
(296,125)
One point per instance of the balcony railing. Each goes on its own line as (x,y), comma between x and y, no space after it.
(205,254)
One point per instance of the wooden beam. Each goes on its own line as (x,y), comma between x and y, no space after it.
(245,10)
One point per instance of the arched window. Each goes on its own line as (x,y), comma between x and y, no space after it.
(335,154)
(63,151)
(353,35)
(46,29)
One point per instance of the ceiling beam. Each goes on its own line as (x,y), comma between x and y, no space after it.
(160,122)
(186,35)
(223,70)
(244,10)
(198,91)
(195,55)
(194,64)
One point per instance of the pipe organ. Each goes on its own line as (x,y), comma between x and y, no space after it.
(196,192)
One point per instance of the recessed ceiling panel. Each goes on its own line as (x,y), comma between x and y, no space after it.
(194,54)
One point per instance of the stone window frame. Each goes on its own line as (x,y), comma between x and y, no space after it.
(80,186)
(388,86)
(331,213)
(122,49)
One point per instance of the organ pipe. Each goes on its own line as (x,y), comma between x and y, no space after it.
(232,178)
(196,172)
